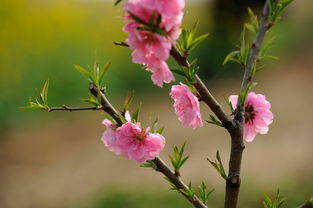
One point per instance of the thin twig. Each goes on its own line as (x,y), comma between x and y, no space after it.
(66,108)
(161,166)
(255,47)
(121,44)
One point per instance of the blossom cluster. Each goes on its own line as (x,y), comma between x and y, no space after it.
(153,26)
(151,48)
(132,141)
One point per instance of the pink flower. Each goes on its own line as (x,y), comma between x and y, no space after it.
(257,115)
(137,143)
(149,48)
(132,141)
(109,137)
(186,106)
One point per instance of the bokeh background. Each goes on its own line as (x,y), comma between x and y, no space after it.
(57,159)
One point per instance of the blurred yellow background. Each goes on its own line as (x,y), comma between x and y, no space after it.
(57,159)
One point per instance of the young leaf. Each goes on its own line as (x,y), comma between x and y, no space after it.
(213,120)
(84,72)
(136,113)
(232,56)
(149,164)
(91,100)
(117,2)
(103,71)
(177,159)
(218,165)
(160,130)
(44,93)
(179,72)
(204,195)
(127,102)
(136,18)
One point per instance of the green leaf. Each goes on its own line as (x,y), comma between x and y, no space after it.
(149,164)
(127,102)
(84,72)
(275,58)
(152,29)
(231,57)
(44,93)
(203,193)
(213,120)
(179,72)
(271,5)
(229,104)
(160,130)
(218,165)
(91,100)
(117,2)
(136,113)
(136,18)
(194,43)
(178,160)
(285,3)
(103,71)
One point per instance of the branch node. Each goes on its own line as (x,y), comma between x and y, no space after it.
(233,180)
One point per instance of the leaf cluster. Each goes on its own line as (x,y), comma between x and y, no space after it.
(218,165)
(178,160)
(154,128)
(276,8)
(204,193)
(95,74)
(213,120)
(42,103)
(189,41)
(241,55)
(277,202)
(189,73)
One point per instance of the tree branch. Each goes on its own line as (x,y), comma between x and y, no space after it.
(203,91)
(237,145)
(308,204)
(161,166)
(66,108)
(106,105)
(180,185)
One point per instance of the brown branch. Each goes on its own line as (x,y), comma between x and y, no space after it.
(161,166)
(237,145)
(203,91)
(106,105)
(66,108)
(179,184)
(308,204)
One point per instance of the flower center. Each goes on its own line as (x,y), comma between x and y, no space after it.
(142,134)
(249,113)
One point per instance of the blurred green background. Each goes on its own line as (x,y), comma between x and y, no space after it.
(57,160)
